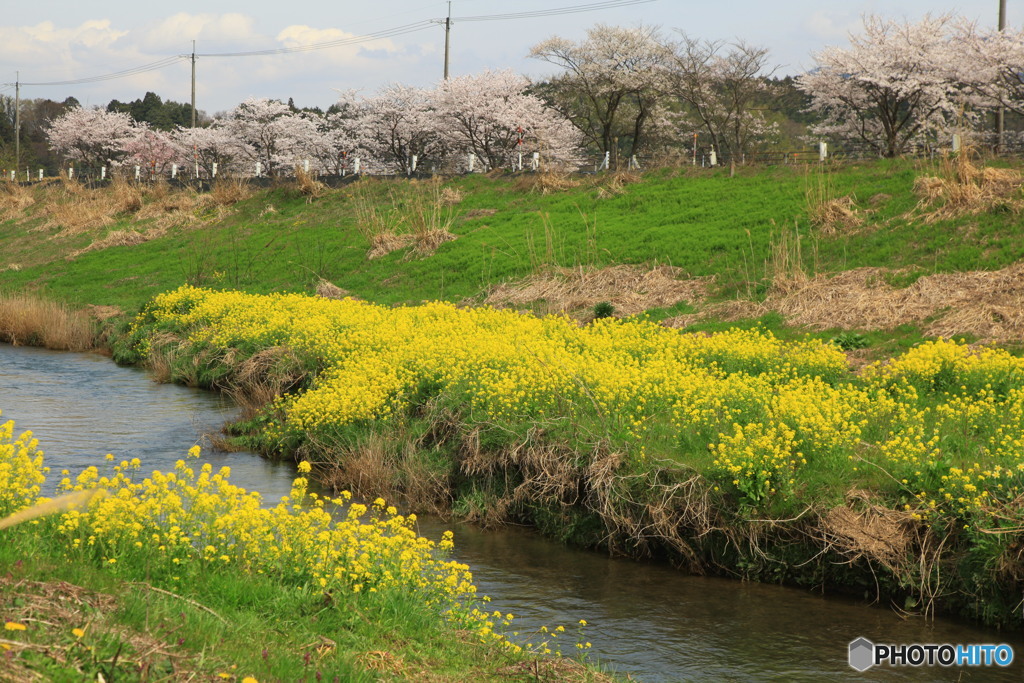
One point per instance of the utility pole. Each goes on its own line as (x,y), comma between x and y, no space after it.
(1000,113)
(193,84)
(448,34)
(17,120)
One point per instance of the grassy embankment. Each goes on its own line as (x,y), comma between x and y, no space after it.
(733,453)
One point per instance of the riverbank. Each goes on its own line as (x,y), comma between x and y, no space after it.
(733,453)
(185,574)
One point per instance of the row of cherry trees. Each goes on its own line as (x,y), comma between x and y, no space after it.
(634,90)
(897,85)
(489,115)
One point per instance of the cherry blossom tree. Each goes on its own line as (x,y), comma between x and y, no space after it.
(490,115)
(398,123)
(719,84)
(992,64)
(268,132)
(153,150)
(894,85)
(198,149)
(611,84)
(93,137)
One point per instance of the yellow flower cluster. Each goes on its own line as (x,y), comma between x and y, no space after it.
(183,523)
(776,418)
(21,469)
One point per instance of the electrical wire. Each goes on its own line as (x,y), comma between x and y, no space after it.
(572,9)
(153,66)
(353,40)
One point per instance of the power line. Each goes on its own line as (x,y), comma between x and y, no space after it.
(353,40)
(573,9)
(153,66)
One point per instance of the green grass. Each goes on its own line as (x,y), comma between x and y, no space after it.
(705,224)
(228,623)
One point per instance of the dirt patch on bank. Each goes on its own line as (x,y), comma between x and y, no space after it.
(986,304)
(630,289)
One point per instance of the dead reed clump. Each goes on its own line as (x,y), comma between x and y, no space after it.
(329,290)
(125,195)
(961,187)
(545,182)
(32,321)
(308,186)
(14,199)
(229,190)
(427,241)
(384,243)
(119,238)
(630,289)
(835,215)
(613,184)
(988,305)
(450,196)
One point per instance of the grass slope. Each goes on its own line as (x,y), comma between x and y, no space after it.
(703,223)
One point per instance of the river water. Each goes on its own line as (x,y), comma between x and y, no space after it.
(645,620)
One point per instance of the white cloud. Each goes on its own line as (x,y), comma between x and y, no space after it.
(177,31)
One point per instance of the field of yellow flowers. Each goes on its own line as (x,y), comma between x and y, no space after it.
(192,527)
(658,441)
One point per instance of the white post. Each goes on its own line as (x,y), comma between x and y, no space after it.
(214,169)
(28,177)
(520,161)
(103,173)
(174,171)
(535,162)
(606,164)
(12,175)
(822,151)
(633,163)
(40,174)
(956,142)
(412,168)
(259,169)
(71,172)
(197,172)
(136,172)
(355,166)
(472,161)
(714,157)
(305,165)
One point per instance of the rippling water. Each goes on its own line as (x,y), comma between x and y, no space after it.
(646,620)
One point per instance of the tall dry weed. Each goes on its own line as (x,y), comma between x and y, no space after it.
(962,187)
(828,212)
(33,321)
(308,186)
(229,190)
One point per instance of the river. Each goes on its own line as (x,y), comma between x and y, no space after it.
(645,620)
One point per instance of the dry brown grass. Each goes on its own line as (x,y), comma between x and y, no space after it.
(308,186)
(384,243)
(32,321)
(120,238)
(545,182)
(450,196)
(835,215)
(631,289)
(15,198)
(229,190)
(961,187)
(613,184)
(329,290)
(988,305)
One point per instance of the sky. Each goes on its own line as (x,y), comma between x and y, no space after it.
(44,41)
